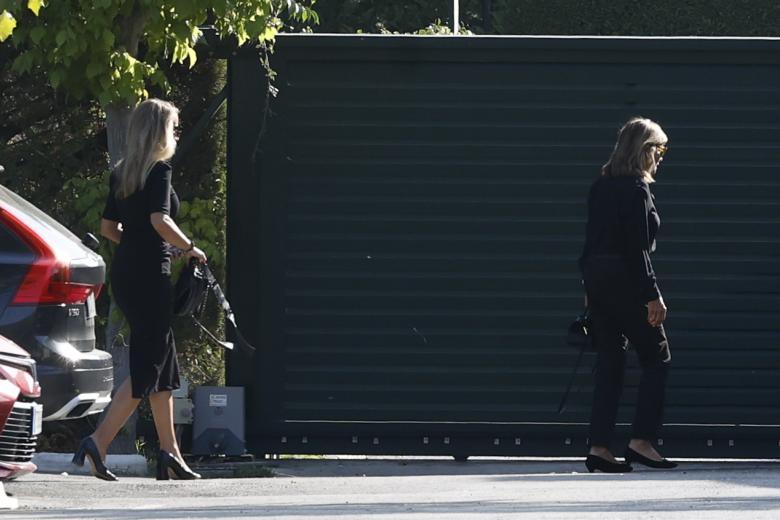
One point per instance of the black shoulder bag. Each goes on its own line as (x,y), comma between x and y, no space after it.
(190,297)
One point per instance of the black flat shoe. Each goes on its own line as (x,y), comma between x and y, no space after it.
(633,456)
(87,448)
(169,466)
(594,462)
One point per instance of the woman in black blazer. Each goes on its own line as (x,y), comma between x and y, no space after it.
(623,297)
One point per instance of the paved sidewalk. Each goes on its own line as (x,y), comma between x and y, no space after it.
(417,489)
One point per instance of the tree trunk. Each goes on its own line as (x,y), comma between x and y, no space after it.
(117,120)
(487,16)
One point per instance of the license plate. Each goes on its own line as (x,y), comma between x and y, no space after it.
(91,306)
(37,419)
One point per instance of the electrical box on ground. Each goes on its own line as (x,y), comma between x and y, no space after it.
(218,421)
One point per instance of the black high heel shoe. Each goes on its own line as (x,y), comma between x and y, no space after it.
(594,462)
(634,456)
(87,448)
(167,463)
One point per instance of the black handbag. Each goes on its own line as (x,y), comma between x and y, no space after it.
(578,336)
(190,290)
(191,294)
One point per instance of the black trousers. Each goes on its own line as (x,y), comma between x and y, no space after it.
(618,317)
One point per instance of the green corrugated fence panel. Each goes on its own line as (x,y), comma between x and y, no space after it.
(404,239)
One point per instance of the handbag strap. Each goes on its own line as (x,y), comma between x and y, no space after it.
(224,344)
(562,405)
(227,345)
(229,316)
(572,377)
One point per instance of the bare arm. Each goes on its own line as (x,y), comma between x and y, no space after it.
(111,229)
(170,232)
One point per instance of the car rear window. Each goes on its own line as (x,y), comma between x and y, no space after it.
(64,237)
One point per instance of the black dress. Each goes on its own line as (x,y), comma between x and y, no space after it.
(141,281)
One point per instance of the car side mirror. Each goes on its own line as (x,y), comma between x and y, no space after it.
(91,241)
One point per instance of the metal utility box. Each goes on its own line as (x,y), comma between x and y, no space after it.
(218,424)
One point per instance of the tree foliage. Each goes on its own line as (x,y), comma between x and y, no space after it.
(112,50)
(101,57)
(395,16)
(563,17)
(54,152)
(638,17)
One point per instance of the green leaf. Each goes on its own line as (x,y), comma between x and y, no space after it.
(37,34)
(61,37)
(192,55)
(256,26)
(23,63)
(7,25)
(269,34)
(55,78)
(108,38)
(34,6)
(94,69)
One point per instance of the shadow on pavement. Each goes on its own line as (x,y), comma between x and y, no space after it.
(724,503)
(520,468)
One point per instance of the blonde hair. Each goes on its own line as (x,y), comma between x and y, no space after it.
(633,154)
(149,139)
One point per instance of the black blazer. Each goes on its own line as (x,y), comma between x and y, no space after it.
(622,224)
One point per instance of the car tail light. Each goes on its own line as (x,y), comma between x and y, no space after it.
(48,279)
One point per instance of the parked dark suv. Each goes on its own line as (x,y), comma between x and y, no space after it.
(48,284)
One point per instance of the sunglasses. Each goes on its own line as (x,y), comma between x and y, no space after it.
(661,149)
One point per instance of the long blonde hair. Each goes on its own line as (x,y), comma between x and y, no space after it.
(633,154)
(149,139)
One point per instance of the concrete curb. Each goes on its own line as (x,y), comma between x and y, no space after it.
(7,502)
(120,465)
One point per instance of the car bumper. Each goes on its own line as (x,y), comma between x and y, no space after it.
(82,405)
(9,470)
(74,383)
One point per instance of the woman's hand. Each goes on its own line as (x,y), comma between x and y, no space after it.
(656,312)
(196,253)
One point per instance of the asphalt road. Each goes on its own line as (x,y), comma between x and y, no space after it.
(412,489)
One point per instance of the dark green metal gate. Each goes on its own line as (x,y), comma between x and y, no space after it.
(403,239)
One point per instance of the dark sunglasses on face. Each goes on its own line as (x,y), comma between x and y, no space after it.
(661,149)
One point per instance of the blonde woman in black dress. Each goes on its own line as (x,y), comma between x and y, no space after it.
(139,216)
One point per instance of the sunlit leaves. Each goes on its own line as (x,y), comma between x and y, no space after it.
(34,6)
(197,219)
(90,44)
(7,21)
(7,25)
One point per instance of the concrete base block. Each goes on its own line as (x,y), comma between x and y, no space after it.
(120,465)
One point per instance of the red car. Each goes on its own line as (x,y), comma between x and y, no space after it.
(20,416)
